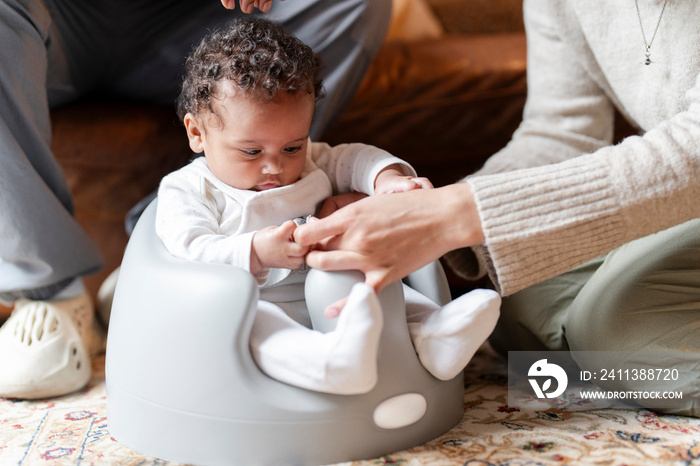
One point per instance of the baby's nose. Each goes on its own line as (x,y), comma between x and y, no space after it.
(273,166)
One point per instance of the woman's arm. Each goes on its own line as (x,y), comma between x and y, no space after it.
(389,236)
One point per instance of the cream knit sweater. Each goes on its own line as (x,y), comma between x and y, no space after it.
(559,194)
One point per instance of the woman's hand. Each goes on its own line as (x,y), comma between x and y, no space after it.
(248,5)
(389,236)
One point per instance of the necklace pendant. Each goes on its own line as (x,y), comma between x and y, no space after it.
(647,45)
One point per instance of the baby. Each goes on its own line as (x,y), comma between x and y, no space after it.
(247,102)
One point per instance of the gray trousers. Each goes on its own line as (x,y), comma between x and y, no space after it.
(55,51)
(644,295)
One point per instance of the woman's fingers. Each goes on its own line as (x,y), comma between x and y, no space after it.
(247,6)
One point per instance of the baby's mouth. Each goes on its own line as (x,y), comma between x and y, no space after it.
(270,184)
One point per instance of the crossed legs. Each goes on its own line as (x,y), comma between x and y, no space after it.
(644,295)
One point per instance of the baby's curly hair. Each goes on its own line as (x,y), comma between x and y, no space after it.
(257,57)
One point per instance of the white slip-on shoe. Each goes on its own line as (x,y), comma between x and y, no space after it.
(45,348)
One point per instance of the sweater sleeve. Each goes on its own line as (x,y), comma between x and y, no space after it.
(545,208)
(354,167)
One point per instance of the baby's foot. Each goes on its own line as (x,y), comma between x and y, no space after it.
(342,361)
(352,359)
(447,339)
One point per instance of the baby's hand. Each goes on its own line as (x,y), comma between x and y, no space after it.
(393,181)
(274,247)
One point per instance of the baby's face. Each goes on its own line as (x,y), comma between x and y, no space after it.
(253,145)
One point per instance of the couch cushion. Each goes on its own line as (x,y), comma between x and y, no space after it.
(479,16)
(443,105)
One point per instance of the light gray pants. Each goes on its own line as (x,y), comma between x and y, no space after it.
(644,295)
(55,51)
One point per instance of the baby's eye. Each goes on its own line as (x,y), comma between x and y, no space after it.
(292,150)
(251,153)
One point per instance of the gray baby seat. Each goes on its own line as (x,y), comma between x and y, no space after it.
(182,384)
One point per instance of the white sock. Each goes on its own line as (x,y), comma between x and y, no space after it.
(343,361)
(447,338)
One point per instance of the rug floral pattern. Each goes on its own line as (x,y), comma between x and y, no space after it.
(73,430)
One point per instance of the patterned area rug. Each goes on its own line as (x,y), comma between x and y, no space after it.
(74,430)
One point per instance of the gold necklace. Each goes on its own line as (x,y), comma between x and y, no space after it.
(647,46)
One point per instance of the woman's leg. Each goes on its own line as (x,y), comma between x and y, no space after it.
(645,298)
(533,319)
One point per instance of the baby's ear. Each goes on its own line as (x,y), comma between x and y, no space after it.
(195,133)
